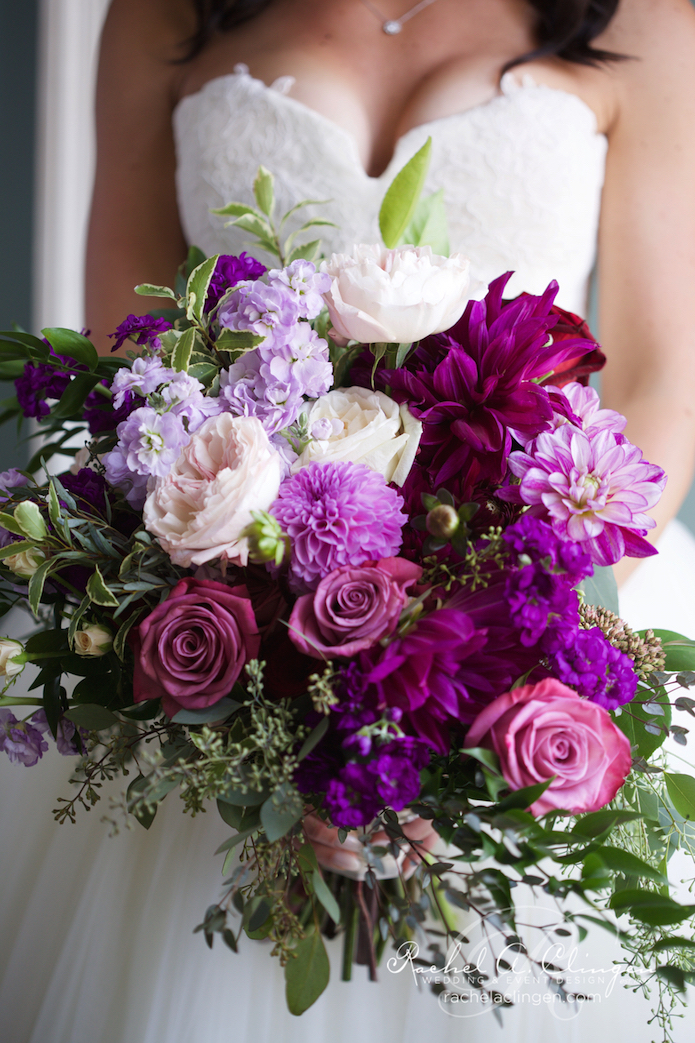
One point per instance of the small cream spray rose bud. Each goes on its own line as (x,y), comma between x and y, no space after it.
(25,563)
(442,522)
(93,640)
(8,649)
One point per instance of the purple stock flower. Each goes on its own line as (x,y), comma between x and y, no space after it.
(471,385)
(537,540)
(37,384)
(229,272)
(143,329)
(21,740)
(151,441)
(65,733)
(118,474)
(597,670)
(86,485)
(337,514)
(308,284)
(595,488)
(142,379)
(100,414)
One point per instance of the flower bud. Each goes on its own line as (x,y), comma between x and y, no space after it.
(266,540)
(93,640)
(442,522)
(8,649)
(25,563)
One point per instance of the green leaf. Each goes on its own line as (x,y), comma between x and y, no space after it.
(313,739)
(601,589)
(263,190)
(197,288)
(181,356)
(16,548)
(230,844)
(235,210)
(307,251)
(325,897)
(428,226)
(255,225)
(280,812)
(650,907)
(91,716)
(674,943)
(597,822)
(402,196)
(237,340)
(681,790)
(28,517)
(119,642)
(147,710)
(523,798)
(486,757)
(143,816)
(149,289)
(230,813)
(72,344)
(250,798)
(306,973)
(621,861)
(7,521)
(633,718)
(36,585)
(217,712)
(72,400)
(98,592)
(680,651)
(53,504)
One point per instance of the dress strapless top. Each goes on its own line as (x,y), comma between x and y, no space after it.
(522,175)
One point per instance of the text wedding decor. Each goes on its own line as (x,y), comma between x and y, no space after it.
(337,554)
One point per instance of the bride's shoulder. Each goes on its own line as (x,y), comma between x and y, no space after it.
(657,38)
(148,37)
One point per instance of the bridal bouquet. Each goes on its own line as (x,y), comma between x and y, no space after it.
(336,556)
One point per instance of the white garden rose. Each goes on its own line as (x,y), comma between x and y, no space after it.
(198,512)
(395,296)
(93,640)
(26,562)
(8,649)
(360,426)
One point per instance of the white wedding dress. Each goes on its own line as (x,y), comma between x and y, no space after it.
(95,932)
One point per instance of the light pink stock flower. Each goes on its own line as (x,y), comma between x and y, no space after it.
(545,730)
(199,510)
(595,487)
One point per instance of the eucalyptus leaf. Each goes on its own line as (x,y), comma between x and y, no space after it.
(306,973)
(280,812)
(326,897)
(402,196)
(91,716)
(634,719)
(219,711)
(601,589)
(144,816)
(313,739)
(681,790)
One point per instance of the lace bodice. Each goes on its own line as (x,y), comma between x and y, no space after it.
(522,175)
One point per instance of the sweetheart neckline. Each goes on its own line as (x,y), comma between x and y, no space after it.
(509,85)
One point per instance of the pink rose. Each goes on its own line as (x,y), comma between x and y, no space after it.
(352,608)
(193,647)
(198,512)
(546,729)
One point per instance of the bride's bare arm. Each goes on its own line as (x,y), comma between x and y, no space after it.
(134,232)
(647,240)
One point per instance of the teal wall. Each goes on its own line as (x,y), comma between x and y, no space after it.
(18,34)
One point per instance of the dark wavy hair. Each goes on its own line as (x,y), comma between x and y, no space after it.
(564,27)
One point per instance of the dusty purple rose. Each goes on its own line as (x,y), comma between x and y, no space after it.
(352,608)
(190,651)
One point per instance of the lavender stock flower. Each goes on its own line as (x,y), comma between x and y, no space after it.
(151,441)
(145,376)
(21,740)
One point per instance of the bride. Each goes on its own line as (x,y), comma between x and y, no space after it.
(334,97)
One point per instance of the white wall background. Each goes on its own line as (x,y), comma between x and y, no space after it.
(68,42)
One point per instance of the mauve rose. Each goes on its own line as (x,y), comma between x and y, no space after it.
(193,647)
(546,729)
(352,608)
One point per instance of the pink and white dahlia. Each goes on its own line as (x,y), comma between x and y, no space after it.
(595,487)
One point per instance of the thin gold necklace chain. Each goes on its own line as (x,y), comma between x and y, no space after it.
(393,26)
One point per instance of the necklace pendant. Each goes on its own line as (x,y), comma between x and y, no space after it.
(392,28)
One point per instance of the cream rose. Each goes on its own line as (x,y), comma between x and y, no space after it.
(9,649)
(93,640)
(198,512)
(26,562)
(360,426)
(395,296)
